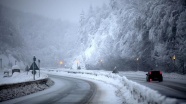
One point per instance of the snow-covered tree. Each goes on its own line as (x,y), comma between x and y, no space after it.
(152,31)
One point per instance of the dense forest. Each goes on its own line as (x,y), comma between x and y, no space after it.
(135,35)
(129,34)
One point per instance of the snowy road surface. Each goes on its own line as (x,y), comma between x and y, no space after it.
(65,90)
(173,88)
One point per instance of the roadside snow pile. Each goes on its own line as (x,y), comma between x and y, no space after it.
(131,92)
(21,84)
(15,75)
(20,77)
(15,67)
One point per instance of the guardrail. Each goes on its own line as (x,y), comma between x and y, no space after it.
(11,91)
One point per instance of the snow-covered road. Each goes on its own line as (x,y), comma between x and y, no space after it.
(170,87)
(114,89)
(65,90)
(103,87)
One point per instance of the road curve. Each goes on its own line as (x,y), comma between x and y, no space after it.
(169,87)
(65,91)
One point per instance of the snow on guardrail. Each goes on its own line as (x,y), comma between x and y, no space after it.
(21,84)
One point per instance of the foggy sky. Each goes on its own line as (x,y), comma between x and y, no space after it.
(57,9)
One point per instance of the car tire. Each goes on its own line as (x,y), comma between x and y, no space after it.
(147,79)
(161,80)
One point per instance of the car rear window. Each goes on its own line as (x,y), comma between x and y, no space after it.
(155,72)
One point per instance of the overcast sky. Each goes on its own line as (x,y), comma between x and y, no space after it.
(57,9)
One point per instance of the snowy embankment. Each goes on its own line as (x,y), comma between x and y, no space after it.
(21,84)
(130,92)
(20,77)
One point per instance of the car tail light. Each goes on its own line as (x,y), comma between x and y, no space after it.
(149,72)
(160,72)
(150,80)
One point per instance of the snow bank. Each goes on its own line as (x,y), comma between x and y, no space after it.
(20,77)
(131,92)
(21,84)
(15,67)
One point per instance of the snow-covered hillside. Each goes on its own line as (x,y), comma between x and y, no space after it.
(23,35)
(128,34)
(135,33)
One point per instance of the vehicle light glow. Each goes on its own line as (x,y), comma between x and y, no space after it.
(160,72)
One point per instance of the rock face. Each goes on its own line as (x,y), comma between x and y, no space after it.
(11,91)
